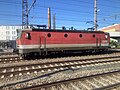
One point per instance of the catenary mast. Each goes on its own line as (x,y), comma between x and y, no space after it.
(25,12)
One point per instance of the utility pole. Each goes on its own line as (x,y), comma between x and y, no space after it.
(95,15)
(25,12)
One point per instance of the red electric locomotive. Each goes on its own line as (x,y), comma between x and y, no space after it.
(45,41)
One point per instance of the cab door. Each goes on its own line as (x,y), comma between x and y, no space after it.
(98,42)
(42,44)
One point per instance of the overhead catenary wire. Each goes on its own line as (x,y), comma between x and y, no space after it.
(84,2)
(60,8)
(66,10)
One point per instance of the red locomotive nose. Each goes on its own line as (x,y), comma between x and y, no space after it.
(17,42)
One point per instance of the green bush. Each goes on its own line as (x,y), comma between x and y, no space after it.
(113,44)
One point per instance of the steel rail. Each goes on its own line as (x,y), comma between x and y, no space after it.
(65,61)
(52,68)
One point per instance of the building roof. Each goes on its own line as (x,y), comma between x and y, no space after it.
(112,28)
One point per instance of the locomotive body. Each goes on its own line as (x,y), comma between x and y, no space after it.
(44,41)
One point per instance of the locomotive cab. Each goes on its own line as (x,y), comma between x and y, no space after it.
(22,35)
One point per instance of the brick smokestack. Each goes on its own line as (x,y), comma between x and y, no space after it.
(49,18)
(54,21)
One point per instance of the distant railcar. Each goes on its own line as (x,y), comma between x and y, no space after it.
(45,41)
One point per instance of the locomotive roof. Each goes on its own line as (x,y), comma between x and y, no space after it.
(57,30)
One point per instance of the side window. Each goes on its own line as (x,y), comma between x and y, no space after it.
(80,35)
(49,35)
(65,35)
(28,36)
(93,35)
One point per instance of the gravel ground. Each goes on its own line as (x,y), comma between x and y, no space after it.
(83,71)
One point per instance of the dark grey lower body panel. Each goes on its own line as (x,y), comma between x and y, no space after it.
(37,50)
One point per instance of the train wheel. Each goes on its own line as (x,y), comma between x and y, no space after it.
(23,56)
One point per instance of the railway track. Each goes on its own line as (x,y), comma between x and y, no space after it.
(16,73)
(103,81)
(7,53)
(23,70)
(11,71)
(13,58)
(9,59)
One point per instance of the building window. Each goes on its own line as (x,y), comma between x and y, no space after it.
(7,32)
(7,27)
(13,37)
(13,27)
(7,37)
(13,32)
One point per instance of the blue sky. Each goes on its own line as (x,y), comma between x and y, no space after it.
(69,13)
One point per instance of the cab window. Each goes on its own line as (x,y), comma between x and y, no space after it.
(27,35)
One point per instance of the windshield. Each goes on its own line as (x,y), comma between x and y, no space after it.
(19,33)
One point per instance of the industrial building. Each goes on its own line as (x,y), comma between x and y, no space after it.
(114,31)
(8,35)
(9,32)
